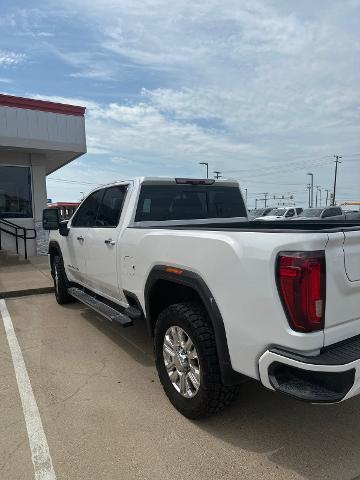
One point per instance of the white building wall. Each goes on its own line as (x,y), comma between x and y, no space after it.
(33,129)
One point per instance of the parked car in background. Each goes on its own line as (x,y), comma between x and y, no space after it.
(349,216)
(282,213)
(322,212)
(259,212)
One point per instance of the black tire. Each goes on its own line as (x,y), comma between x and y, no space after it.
(60,282)
(212,396)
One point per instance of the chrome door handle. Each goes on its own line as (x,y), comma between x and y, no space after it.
(109,241)
(80,238)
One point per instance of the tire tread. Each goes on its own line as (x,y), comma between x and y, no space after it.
(216,395)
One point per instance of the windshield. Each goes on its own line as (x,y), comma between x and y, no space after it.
(276,211)
(312,212)
(259,212)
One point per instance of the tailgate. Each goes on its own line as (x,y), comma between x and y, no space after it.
(342,315)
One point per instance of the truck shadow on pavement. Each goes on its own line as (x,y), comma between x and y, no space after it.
(134,340)
(316,441)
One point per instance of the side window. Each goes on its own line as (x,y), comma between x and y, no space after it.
(299,210)
(111,206)
(330,212)
(86,214)
(290,213)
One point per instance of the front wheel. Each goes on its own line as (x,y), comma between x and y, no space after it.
(60,282)
(187,362)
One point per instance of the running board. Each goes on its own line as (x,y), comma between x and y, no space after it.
(101,307)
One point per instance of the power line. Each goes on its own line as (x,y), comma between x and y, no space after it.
(295,163)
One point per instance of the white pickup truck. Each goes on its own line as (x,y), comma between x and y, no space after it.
(224,298)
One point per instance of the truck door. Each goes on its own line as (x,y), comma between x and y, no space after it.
(74,246)
(102,262)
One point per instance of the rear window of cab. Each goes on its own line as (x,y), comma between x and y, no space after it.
(188,202)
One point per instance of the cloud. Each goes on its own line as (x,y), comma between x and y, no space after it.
(262,90)
(11,59)
(142,129)
(121,161)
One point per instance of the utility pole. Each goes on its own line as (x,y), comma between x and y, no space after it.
(217,174)
(246,195)
(319,189)
(207,168)
(337,161)
(309,188)
(265,199)
(312,190)
(256,200)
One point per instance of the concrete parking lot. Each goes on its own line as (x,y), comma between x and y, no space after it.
(105,415)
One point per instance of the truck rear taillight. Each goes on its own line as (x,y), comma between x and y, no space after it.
(301,278)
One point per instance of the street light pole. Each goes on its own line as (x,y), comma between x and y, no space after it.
(207,168)
(246,195)
(327,196)
(217,174)
(337,161)
(319,188)
(312,190)
(309,188)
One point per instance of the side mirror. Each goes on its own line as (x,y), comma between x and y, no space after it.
(50,219)
(63,228)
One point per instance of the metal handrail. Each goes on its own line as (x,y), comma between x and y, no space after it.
(24,236)
(4,220)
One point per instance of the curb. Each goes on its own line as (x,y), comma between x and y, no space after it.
(27,292)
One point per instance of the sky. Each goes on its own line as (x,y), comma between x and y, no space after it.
(264,91)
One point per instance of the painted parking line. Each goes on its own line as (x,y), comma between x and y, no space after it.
(41,459)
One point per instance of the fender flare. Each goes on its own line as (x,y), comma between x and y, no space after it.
(194,281)
(53,244)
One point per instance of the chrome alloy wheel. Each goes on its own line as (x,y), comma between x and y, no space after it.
(56,278)
(181,361)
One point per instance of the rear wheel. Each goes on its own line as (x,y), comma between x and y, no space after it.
(60,282)
(187,362)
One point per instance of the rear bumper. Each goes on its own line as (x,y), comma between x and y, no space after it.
(330,377)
